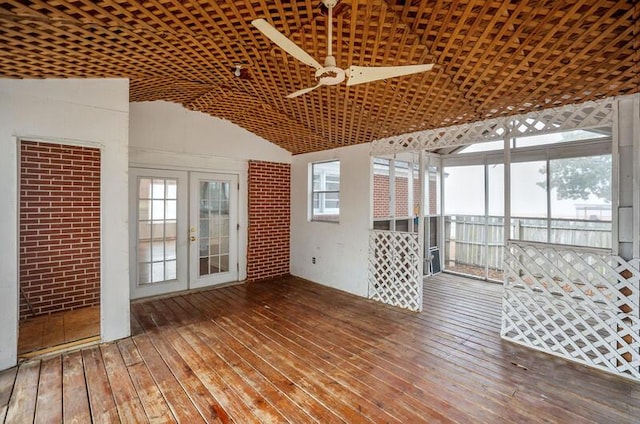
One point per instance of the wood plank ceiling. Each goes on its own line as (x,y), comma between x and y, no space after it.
(492,58)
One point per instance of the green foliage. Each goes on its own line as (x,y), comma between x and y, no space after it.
(577,178)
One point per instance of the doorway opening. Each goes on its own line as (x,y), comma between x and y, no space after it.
(59,246)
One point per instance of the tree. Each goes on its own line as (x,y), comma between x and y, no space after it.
(577,178)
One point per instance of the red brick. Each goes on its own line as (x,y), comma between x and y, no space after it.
(269,220)
(59,212)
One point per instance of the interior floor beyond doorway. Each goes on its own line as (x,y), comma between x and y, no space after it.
(58,329)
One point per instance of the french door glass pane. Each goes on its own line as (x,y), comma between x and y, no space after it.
(171,209)
(156,238)
(144,273)
(144,230)
(172,189)
(171,270)
(170,249)
(144,188)
(157,189)
(144,209)
(170,230)
(214,227)
(224,263)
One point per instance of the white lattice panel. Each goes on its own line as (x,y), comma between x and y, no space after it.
(580,304)
(394,269)
(585,115)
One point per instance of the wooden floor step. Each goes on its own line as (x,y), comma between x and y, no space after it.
(59,349)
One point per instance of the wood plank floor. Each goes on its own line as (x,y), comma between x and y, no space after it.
(291,351)
(56,329)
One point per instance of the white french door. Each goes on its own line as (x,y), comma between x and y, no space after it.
(158,211)
(213,229)
(183,230)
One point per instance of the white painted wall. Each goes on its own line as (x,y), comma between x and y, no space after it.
(169,127)
(165,135)
(340,249)
(86,112)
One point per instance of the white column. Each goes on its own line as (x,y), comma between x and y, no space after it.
(626,178)
(507,187)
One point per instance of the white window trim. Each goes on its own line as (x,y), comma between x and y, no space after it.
(323,210)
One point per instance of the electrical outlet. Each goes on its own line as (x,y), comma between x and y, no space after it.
(313,260)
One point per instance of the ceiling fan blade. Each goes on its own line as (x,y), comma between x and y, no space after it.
(284,43)
(303,91)
(362,74)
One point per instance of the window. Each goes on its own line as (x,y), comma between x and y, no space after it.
(396,194)
(325,191)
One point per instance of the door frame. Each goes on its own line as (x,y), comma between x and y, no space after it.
(108,298)
(152,159)
(148,158)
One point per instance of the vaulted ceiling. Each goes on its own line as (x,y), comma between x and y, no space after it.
(492,58)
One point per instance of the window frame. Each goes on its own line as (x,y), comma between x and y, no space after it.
(409,170)
(544,152)
(322,192)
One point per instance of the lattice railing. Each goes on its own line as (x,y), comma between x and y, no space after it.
(394,269)
(581,304)
(592,114)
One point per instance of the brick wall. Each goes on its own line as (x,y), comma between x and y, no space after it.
(381,196)
(59,227)
(433,198)
(269,219)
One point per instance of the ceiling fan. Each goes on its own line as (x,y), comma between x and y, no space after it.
(330,74)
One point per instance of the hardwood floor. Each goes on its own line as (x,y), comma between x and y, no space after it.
(291,351)
(57,329)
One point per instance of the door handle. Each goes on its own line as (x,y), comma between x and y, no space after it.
(193,238)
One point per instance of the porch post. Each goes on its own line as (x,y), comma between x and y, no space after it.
(421,212)
(507,185)
(625,196)
(626,178)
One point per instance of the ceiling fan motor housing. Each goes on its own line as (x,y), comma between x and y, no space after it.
(330,74)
